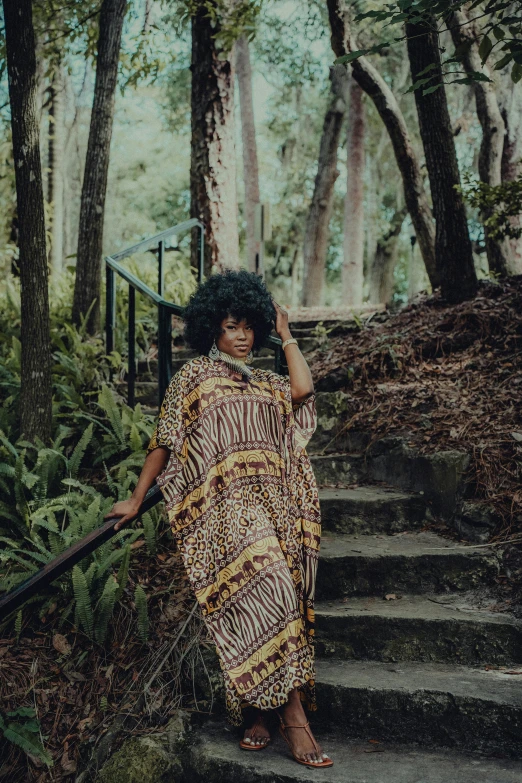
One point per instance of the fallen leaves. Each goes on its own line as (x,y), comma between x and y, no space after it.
(61,644)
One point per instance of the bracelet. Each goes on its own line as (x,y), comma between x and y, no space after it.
(289,341)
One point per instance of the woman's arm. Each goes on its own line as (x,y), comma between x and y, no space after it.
(154,463)
(301,383)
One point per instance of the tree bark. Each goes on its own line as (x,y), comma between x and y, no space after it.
(454,257)
(87,289)
(248,135)
(353,242)
(213,193)
(376,88)
(56,152)
(320,212)
(383,263)
(35,389)
(510,96)
(493,128)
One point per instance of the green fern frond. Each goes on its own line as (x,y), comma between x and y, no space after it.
(135,438)
(18,624)
(107,402)
(105,608)
(123,572)
(76,457)
(83,600)
(149,533)
(140,599)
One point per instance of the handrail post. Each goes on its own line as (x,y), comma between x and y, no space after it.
(161,258)
(164,351)
(110,309)
(131,375)
(201,253)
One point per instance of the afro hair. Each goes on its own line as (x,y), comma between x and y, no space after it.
(240,294)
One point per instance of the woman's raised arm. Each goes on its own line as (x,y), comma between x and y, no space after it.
(301,383)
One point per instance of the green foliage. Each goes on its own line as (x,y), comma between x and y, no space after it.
(498,203)
(231,20)
(22,729)
(500,32)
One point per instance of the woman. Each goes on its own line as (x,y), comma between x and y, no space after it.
(229,455)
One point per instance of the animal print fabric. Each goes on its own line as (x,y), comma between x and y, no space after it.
(242,502)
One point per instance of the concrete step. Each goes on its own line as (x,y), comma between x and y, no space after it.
(437,628)
(437,705)
(339,468)
(370,509)
(351,565)
(216,758)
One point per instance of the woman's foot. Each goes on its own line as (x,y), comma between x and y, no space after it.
(257,735)
(302,745)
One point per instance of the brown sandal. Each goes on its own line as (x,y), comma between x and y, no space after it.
(306,726)
(248,745)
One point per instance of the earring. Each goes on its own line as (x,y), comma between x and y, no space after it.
(214,351)
(250,357)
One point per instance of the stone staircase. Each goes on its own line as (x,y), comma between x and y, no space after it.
(418,679)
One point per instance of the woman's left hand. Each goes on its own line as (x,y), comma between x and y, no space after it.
(281,326)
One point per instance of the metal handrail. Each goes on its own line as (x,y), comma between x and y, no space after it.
(55,568)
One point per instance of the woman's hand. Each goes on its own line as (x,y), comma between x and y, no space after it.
(125,509)
(281,326)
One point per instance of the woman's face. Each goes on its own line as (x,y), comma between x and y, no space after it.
(236,338)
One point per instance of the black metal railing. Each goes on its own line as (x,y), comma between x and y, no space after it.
(57,567)
(166,309)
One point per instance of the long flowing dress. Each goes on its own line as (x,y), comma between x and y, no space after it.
(242,502)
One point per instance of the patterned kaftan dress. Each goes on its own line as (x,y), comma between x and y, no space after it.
(242,502)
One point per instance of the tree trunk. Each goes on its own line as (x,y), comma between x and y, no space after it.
(87,289)
(35,390)
(493,128)
(510,96)
(453,252)
(383,263)
(376,88)
(248,135)
(213,159)
(320,212)
(56,152)
(353,242)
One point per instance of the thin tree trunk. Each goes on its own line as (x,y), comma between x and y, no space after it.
(213,193)
(510,95)
(248,135)
(56,152)
(320,212)
(87,287)
(453,252)
(353,243)
(383,263)
(493,128)
(376,88)
(35,390)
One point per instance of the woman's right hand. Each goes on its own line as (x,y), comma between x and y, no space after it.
(125,509)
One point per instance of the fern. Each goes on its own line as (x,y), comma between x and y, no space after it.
(140,599)
(107,402)
(123,572)
(105,608)
(149,533)
(25,734)
(18,624)
(76,457)
(83,600)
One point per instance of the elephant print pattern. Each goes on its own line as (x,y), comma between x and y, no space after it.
(242,503)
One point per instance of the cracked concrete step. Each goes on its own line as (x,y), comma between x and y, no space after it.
(433,704)
(370,509)
(408,562)
(216,758)
(438,628)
